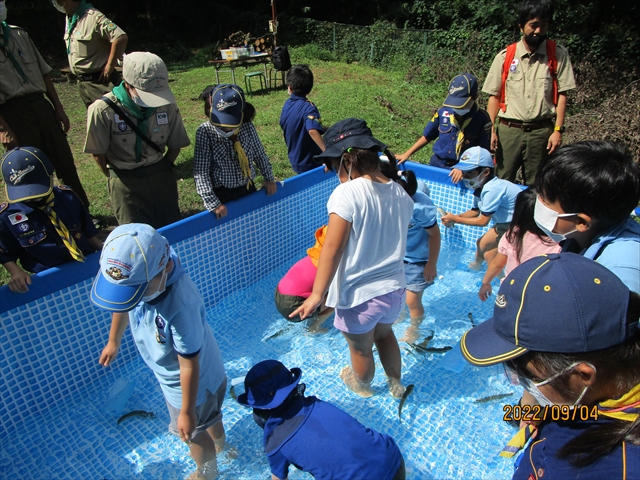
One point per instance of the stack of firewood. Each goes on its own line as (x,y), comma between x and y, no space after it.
(262,44)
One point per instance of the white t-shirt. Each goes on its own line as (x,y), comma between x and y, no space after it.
(372,263)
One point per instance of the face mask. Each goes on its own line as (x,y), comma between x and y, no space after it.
(138,101)
(546,219)
(473,183)
(161,287)
(461,113)
(58,7)
(3,12)
(534,41)
(340,169)
(533,388)
(226,134)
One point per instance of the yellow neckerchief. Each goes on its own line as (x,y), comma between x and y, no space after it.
(518,441)
(460,139)
(314,252)
(62,230)
(242,159)
(625,408)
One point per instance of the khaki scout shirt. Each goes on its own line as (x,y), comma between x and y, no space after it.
(529,87)
(91,42)
(11,83)
(108,134)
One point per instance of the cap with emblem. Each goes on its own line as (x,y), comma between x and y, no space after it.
(475,157)
(462,89)
(148,74)
(27,173)
(562,303)
(131,256)
(227,106)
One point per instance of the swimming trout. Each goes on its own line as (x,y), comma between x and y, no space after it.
(405,395)
(493,398)
(136,413)
(473,323)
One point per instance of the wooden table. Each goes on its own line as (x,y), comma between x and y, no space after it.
(261,59)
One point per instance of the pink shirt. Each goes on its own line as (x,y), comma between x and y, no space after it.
(299,279)
(532,246)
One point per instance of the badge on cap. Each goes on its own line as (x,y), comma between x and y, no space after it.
(16,175)
(17,218)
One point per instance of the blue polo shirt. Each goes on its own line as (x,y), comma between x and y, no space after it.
(27,234)
(497,199)
(175,323)
(539,460)
(298,116)
(319,438)
(444,127)
(424,216)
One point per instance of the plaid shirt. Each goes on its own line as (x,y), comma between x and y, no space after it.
(215,162)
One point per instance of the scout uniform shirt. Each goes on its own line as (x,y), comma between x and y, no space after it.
(529,87)
(108,134)
(27,233)
(12,84)
(298,116)
(89,45)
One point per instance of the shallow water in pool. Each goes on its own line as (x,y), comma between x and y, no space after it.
(443,433)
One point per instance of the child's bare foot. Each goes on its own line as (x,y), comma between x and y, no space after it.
(395,387)
(411,334)
(475,265)
(355,385)
(208,471)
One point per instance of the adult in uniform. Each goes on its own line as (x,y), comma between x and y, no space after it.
(142,186)
(94,45)
(42,226)
(531,126)
(26,117)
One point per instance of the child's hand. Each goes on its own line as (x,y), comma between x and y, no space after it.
(400,159)
(270,187)
(485,291)
(109,354)
(456,175)
(448,220)
(430,272)
(221,211)
(186,425)
(308,307)
(20,282)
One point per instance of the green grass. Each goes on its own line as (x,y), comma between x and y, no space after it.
(396,111)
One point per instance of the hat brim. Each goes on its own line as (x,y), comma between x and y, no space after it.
(456,102)
(280,396)
(482,346)
(157,99)
(116,298)
(465,167)
(25,193)
(225,120)
(361,141)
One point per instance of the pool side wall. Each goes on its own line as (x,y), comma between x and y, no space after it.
(52,336)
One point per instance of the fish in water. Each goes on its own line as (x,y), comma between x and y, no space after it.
(136,413)
(405,395)
(426,340)
(473,323)
(277,334)
(436,349)
(493,398)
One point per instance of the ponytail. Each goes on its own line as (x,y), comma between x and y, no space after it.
(405,178)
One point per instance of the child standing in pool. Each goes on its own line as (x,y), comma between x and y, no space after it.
(361,262)
(142,282)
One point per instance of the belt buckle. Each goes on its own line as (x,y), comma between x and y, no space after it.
(526,128)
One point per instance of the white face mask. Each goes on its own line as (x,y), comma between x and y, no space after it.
(226,134)
(547,218)
(161,288)
(138,101)
(461,113)
(58,7)
(533,388)
(473,183)
(3,12)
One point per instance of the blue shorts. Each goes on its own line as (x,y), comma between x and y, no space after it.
(414,276)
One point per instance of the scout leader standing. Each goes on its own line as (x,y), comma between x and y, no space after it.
(528,82)
(135,134)
(94,45)
(26,117)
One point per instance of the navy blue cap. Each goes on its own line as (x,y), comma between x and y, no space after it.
(561,303)
(227,106)
(268,384)
(348,133)
(27,173)
(462,89)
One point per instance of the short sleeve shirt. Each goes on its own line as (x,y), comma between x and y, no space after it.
(497,199)
(298,117)
(529,87)
(424,216)
(108,134)
(33,65)
(90,42)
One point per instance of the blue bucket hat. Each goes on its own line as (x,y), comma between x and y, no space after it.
(268,384)
(27,173)
(132,256)
(227,106)
(475,157)
(462,89)
(348,133)
(561,303)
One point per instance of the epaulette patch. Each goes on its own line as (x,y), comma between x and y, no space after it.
(64,187)
(111,26)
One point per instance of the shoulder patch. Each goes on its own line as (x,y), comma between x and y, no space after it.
(64,187)
(3,206)
(111,26)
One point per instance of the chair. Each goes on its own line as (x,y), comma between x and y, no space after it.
(273,80)
(247,81)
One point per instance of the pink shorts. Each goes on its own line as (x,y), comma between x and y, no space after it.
(364,317)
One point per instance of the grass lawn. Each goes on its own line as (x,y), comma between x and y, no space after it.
(396,111)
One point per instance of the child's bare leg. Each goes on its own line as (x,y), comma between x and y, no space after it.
(203,451)
(218,435)
(416,311)
(488,242)
(389,353)
(322,316)
(477,262)
(358,377)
